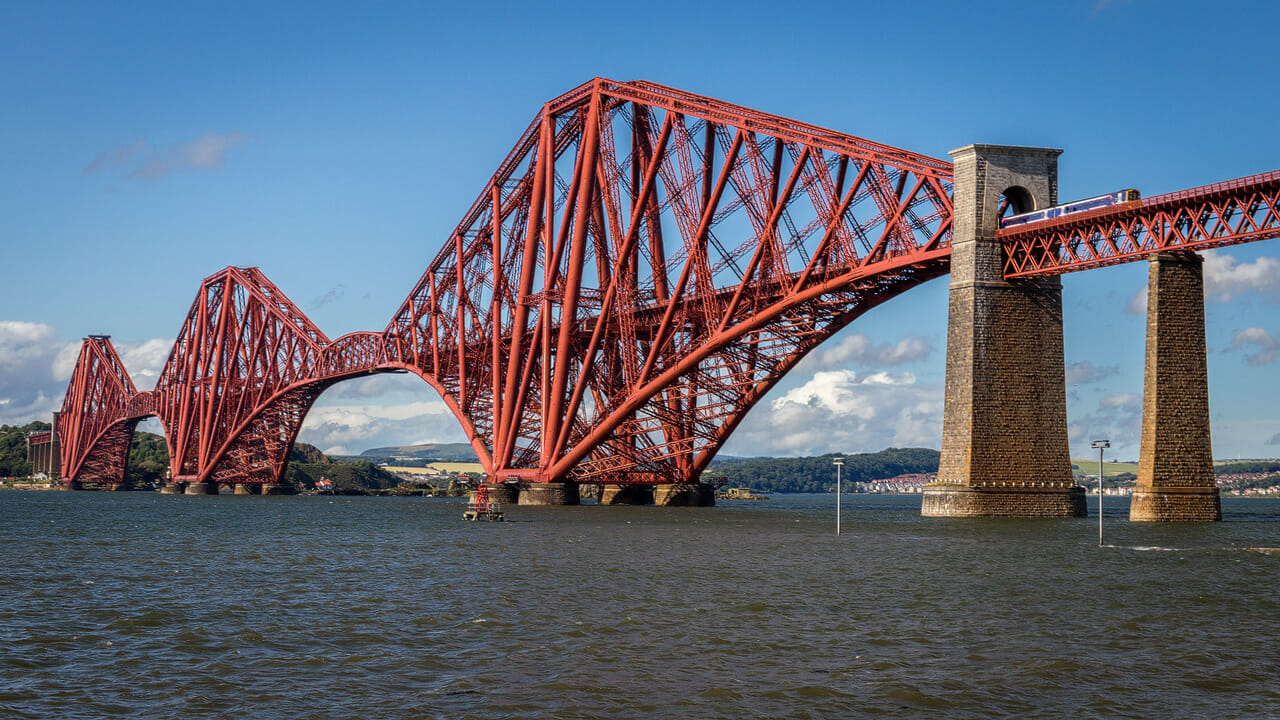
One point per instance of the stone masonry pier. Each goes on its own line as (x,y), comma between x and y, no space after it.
(1004,439)
(1175,470)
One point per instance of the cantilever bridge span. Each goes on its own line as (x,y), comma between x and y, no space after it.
(642,268)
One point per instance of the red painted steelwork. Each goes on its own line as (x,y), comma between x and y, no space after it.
(1227,213)
(641,269)
(99,413)
(646,264)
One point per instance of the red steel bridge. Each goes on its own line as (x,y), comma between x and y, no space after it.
(642,268)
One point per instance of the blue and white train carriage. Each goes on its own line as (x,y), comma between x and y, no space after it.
(1116,198)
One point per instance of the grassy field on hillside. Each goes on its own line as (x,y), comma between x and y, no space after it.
(440,467)
(1090,467)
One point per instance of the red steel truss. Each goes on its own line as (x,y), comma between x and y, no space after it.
(99,413)
(1227,213)
(646,264)
(642,268)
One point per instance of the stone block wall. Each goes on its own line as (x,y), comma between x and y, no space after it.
(1175,471)
(1004,416)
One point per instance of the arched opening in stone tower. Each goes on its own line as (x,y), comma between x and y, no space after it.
(1015,201)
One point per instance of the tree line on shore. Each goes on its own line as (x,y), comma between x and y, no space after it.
(818,474)
(149,462)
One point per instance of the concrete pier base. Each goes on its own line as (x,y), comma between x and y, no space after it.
(538,493)
(1175,463)
(72,485)
(199,488)
(965,501)
(504,492)
(278,489)
(1175,504)
(248,489)
(612,494)
(684,495)
(173,488)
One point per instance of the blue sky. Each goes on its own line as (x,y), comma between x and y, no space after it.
(145,146)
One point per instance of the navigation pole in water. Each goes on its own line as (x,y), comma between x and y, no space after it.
(1101,445)
(839,462)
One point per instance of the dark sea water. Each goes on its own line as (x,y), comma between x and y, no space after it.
(148,606)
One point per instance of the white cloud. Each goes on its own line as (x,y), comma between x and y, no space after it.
(1137,303)
(1225,277)
(36,365)
(1084,373)
(1267,346)
(352,429)
(1118,418)
(138,160)
(1123,402)
(145,360)
(858,350)
(842,411)
(28,389)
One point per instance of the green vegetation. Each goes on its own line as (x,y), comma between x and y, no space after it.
(816,474)
(348,478)
(13,448)
(307,465)
(401,455)
(1247,466)
(148,460)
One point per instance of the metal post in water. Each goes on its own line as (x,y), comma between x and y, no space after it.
(839,463)
(1101,445)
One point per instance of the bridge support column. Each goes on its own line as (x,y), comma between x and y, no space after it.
(173,488)
(202,488)
(248,489)
(1004,434)
(72,485)
(614,494)
(684,495)
(549,493)
(504,492)
(1175,467)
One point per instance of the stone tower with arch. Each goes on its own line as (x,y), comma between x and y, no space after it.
(1004,440)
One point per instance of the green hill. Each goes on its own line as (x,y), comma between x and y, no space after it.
(445,452)
(816,474)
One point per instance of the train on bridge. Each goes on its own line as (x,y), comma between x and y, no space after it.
(1116,198)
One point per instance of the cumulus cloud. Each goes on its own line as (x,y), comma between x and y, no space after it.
(1123,402)
(1084,373)
(28,389)
(1137,303)
(1118,418)
(36,364)
(1225,277)
(1264,346)
(352,429)
(859,350)
(842,410)
(138,160)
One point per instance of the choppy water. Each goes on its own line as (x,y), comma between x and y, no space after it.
(150,606)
